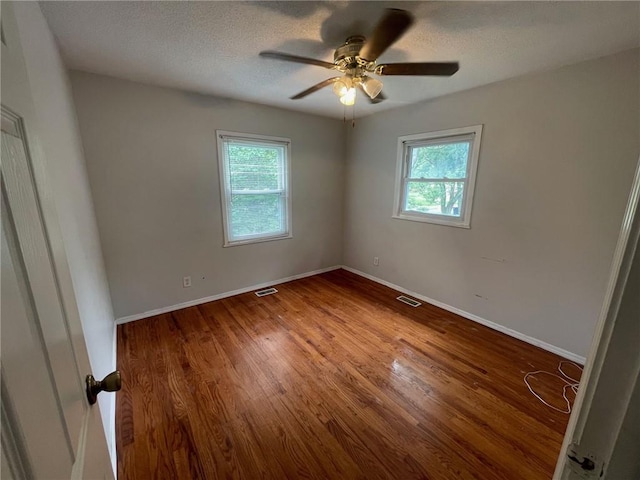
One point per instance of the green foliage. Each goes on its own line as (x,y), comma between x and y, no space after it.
(255,214)
(442,161)
(255,168)
(435,197)
(255,172)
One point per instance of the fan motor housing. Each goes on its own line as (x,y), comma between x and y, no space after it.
(346,55)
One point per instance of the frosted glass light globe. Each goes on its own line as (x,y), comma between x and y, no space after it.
(349,98)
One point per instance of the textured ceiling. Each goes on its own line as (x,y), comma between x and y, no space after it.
(212,47)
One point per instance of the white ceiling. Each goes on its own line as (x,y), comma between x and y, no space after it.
(212,47)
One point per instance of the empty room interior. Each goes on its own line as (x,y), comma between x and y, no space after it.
(347,240)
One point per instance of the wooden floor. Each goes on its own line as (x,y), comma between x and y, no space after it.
(330,378)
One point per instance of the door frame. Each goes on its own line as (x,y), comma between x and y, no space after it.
(626,249)
(19,115)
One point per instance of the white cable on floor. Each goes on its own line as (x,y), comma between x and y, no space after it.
(569,382)
(565,375)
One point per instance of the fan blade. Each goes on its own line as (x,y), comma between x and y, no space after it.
(315,88)
(389,29)
(378,98)
(295,58)
(445,69)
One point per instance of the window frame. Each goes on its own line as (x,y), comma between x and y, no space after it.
(402,171)
(225,187)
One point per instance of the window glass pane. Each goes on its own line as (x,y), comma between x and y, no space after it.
(257,214)
(255,167)
(436,198)
(446,160)
(255,187)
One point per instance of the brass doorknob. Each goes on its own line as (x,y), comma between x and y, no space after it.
(110,383)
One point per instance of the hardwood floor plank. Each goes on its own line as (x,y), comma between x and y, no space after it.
(330,378)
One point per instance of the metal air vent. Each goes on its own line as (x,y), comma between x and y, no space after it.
(266,291)
(409,301)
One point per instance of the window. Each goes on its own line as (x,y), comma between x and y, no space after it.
(254,184)
(435,176)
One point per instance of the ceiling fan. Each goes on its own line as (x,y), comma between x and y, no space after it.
(356,60)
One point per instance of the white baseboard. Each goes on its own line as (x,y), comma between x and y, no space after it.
(495,326)
(219,296)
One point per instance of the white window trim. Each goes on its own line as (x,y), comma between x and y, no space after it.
(225,188)
(464,221)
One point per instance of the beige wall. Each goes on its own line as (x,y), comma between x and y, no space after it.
(152,162)
(558,153)
(555,167)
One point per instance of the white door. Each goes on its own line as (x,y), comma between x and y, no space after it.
(603,435)
(49,430)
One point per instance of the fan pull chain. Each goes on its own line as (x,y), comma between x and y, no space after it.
(353,116)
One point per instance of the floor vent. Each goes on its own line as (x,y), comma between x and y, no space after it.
(266,291)
(409,301)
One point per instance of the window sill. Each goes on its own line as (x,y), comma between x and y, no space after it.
(447,221)
(248,241)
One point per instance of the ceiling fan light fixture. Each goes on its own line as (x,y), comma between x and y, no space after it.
(358,56)
(341,87)
(349,98)
(371,86)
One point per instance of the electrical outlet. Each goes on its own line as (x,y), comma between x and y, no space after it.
(186,282)
(376,261)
